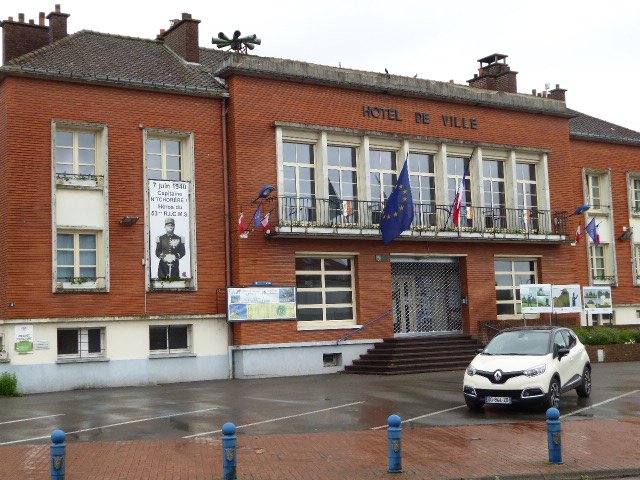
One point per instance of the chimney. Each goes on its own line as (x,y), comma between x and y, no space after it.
(495,74)
(57,24)
(558,93)
(182,38)
(20,38)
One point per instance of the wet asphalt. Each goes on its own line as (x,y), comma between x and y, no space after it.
(320,403)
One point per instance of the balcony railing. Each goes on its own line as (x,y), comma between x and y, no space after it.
(310,214)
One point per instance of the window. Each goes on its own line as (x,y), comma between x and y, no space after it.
(636,259)
(164,158)
(169,339)
(594,191)
(383,175)
(299,182)
(635,195)
(456,168)
(423,189)
(76,257)
(75,153)
(493,191)
(598,262)
(343,183)
(325,289)
(510,274)
(527,196)
(80,342)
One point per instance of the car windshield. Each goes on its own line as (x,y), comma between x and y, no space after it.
(519,343)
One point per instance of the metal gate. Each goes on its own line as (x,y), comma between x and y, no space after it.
(426,296)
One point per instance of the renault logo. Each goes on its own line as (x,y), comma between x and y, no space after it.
(497,376)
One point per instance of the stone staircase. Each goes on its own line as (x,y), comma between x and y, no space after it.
(396,356)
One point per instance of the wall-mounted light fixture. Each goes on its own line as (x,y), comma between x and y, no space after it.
(626,233)
(129,220)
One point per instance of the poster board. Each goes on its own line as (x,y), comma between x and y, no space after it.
(261,303)
(597,300)
(170,248)
(24,338)
(566,298)
(536,298)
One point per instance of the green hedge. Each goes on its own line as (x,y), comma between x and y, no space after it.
(9,385)
(608,335)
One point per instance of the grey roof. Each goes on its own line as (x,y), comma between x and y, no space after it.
(585,127)
(114,59)
(385,83)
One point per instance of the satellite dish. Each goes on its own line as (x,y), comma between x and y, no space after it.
(547,86)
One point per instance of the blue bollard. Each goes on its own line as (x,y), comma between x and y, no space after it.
(58,449)
(229,451)
(554,435)
(395,444)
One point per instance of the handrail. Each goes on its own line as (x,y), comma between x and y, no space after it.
(365,325)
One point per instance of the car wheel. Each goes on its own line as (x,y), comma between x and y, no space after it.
(474,404)
(553,396)
(584,390)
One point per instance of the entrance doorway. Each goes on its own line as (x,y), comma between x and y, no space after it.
(426,296)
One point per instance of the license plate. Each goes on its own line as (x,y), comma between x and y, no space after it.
(506,400)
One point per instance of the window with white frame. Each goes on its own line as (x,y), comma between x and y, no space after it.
(383,175)
(494,194)
(635,196)
(76,153)
(510,274)
(325,289)
(423,188)
(77,257)
(164,158)
(456,168)
(594,191)
(299,182)
(598,262)
(80,342)
(342,172)
(527,195)
(168,339)
(636,262)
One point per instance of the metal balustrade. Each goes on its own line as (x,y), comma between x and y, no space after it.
(314,212)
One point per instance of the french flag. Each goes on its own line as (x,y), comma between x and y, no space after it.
(458,200)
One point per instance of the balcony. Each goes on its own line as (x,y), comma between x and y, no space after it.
(312,216)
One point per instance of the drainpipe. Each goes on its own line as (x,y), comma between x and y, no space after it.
(227,223)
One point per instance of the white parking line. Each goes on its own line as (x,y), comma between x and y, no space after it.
(112,425)
(598,404)
(32,418)
(271,420)
(422,416)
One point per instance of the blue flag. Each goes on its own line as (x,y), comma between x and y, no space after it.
(257,217)
(592,230)
(398,212)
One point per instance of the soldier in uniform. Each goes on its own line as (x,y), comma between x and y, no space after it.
(169,249)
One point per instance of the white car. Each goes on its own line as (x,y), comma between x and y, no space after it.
(528,365)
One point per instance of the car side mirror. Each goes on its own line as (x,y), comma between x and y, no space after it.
(562,352)
(480,350)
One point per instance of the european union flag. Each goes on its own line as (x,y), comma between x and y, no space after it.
(398,212)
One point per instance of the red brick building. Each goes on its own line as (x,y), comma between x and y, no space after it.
(125,178)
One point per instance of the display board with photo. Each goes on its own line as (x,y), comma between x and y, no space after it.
(597,300)
(566,298)
(536,298)
(261,303)
(169,230)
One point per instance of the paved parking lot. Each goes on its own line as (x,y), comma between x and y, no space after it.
(292,405)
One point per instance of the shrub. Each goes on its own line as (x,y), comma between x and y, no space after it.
(9,384)
(608,335)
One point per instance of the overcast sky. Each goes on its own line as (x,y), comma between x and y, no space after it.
(590,48)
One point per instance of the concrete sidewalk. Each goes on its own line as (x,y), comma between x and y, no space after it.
(591,449)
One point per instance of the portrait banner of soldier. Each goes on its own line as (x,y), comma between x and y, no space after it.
(169,228)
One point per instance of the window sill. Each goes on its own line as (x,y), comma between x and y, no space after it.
(328,325)
(82,360)
(153,356)
(172,285)
(80,184)
(5,360)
